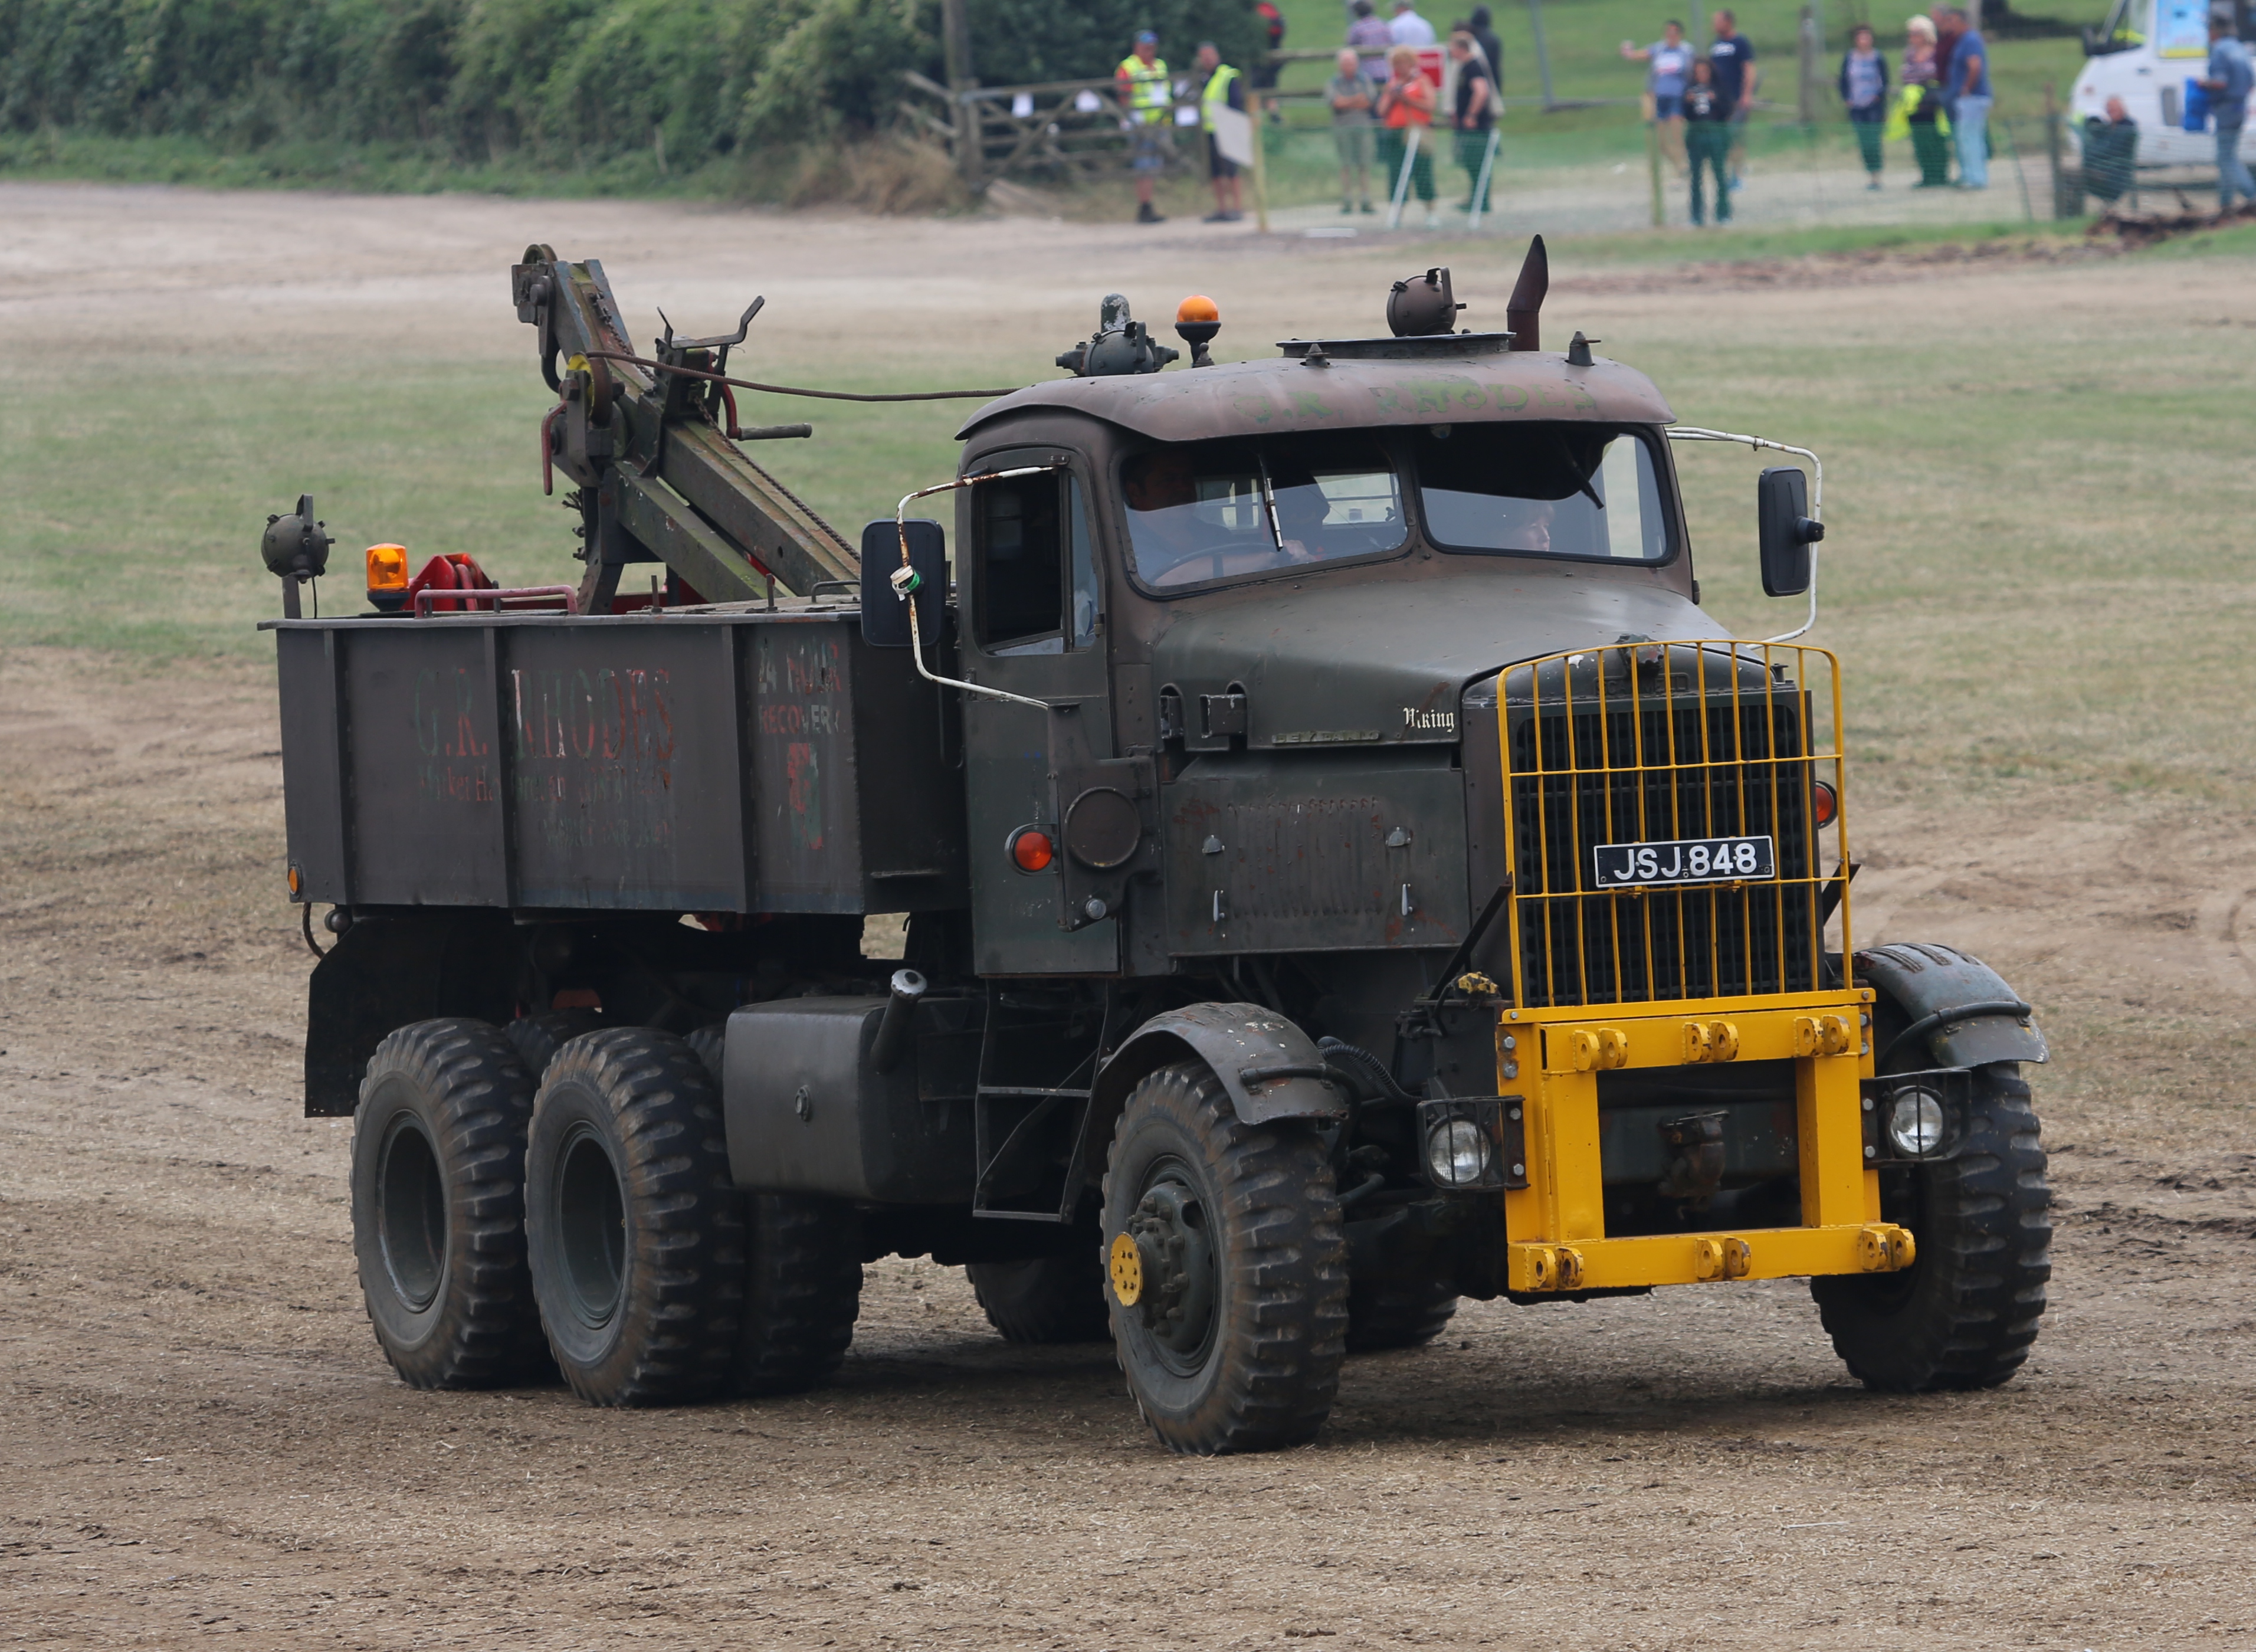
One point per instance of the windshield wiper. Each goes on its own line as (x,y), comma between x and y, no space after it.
(1269,503)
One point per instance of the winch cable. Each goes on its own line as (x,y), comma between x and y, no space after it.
(648,365)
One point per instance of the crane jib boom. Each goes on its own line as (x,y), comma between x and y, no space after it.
(658,478)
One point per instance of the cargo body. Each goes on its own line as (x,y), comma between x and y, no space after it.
(1334,848)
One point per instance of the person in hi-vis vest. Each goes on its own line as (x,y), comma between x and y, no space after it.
(1225,90)
(1149,103)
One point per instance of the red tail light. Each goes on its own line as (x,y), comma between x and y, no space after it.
(1031,849)
(1827,804)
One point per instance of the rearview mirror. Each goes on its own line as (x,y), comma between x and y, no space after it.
(885,616)
(1784,530)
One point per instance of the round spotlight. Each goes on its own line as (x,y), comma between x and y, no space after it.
(1456,1152)
(1915,1124)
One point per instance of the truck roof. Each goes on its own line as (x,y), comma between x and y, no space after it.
(1433,381)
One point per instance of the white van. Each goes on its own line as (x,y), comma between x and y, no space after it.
(2143,53)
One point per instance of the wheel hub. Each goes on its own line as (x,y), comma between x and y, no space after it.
(1173,1267)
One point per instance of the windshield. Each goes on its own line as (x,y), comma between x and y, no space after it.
(1211,511)
(1543,489)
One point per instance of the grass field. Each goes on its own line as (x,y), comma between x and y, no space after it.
(2029,515)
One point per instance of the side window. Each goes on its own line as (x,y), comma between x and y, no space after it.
(1021,573)
(1037,584)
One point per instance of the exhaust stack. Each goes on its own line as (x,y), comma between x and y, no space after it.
(1523,313)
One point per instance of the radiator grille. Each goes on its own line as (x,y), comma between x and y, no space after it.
(1646,744)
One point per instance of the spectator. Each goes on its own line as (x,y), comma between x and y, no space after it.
(1265,66)
(1408,28)
(1352,95)
(1482,27)
(1669,71)
(1864,90)
(1473,117)
(2228,86)
(1735,79)
(1141,83)
(1371,39)
(2111,153)
(1966,97)
(1921,104)
(1406,104)
(1225,88)
(1707,139)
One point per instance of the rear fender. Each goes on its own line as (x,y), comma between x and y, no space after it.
(1958,1011)
(1268,1065)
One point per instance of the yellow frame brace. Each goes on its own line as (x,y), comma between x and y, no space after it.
(1555,1226)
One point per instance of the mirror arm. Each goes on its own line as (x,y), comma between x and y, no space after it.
(1695,433)
(904,579)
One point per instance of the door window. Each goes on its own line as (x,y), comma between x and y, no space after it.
(1035,583)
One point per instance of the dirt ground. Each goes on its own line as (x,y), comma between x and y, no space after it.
(198,1436)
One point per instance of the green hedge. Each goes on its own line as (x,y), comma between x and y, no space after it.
(570,81)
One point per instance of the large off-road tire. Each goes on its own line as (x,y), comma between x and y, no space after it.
(1384,1313)
(802,1292)
(539,1037)
(1044,1299)
(636,1232)
(802,1274)
(1249,1360)
(709,1043)
(437,1206)
(1965,1312)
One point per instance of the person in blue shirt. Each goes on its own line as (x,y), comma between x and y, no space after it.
(1864,90)
(2228,86)
(1671,72)
(1966,97)
(1733,61)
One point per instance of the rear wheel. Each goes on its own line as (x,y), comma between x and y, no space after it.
(1231,1235)
(438,1207)
(802,1291)
(1044,1299)
(1965,1313)
(1384,1314)
(539,1037)
(636,1232)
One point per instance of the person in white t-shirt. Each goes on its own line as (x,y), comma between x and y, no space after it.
(1407,27)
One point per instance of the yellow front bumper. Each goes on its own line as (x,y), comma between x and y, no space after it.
(1556,1225)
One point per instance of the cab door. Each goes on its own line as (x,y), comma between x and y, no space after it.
(1034,624)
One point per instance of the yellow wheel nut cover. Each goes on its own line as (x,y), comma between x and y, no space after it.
(1127,1271)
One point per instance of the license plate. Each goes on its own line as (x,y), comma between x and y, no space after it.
(1686,860)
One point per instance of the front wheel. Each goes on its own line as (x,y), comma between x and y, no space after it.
(1228,1268)
(1965,1313)
(1044,1299)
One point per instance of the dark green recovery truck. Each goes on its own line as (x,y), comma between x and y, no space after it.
(1345,872)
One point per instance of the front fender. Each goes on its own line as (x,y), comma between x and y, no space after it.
(1246,1046)
(1956,1007)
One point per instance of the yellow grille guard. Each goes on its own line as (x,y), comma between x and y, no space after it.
(1668,909)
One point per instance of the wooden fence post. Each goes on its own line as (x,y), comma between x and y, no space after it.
(956,45)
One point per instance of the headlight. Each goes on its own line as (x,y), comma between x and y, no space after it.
(1456,1152)
(1915,1124)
